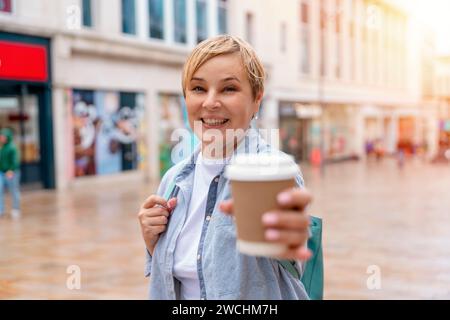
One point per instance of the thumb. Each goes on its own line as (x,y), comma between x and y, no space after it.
(227,207)
(172,203)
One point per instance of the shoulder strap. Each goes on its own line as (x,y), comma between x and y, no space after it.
(312,277)
(169,190)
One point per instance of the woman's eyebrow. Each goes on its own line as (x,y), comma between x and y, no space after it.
(231,78)
(197,79)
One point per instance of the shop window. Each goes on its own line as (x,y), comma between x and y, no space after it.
(108,132)
(177,141)
(6,6)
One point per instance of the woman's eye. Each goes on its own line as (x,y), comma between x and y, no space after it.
(198,89)
(230,89)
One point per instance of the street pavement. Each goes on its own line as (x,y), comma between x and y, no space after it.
(386,236)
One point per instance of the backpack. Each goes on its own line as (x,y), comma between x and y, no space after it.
(312,277)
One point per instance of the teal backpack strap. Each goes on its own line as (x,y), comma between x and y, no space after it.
(169,190)
(313,274)
(312,277)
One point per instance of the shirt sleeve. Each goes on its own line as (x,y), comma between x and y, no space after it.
(148,256)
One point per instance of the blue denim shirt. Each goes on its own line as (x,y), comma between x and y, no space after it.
(224,272)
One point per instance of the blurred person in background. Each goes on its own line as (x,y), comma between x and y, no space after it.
(9,171)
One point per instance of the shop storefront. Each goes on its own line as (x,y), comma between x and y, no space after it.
(300,130)
(443,152)
(173,116)
(26,105)
(339,132)
(106,131)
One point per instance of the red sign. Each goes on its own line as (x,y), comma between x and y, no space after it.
(20,61)
(5,6)
(18,117)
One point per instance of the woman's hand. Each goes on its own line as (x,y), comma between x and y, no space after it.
(288,224)
(153,217)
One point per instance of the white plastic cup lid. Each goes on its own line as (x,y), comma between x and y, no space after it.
(262,167)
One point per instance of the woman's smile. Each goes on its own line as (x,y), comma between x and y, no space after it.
(214,123)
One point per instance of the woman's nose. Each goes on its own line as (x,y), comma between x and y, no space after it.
(211,101)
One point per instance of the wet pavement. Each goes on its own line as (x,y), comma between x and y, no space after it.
(378,220)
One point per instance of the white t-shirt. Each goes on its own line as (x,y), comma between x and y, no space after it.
(185,255)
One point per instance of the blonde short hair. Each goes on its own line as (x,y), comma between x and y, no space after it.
(226,44)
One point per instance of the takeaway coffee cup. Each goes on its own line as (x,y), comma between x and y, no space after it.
(256,180)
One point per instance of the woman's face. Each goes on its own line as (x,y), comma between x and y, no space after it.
(219,96)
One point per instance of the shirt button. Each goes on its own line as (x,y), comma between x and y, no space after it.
(216,179)
(202,298)
(208,218)
(198,257)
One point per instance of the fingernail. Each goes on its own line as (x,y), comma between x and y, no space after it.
(272,234)
(284,198)
(171,203)
(270,218)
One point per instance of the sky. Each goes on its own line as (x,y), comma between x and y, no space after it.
(436,14)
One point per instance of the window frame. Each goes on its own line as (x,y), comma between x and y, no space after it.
(222,7)
(91,14)
(305,27)
(134,25)
(162,30)
(250,27)
(201,37)
(176,27)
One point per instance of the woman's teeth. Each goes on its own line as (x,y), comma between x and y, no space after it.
(214,122)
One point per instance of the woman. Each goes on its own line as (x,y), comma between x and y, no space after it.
(190,235)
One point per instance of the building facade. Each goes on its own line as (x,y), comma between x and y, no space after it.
(104,94)
(112,83)
(442,86)
(344,75)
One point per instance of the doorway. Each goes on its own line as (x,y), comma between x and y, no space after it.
(23,109)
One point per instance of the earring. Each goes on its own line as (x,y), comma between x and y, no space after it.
(255,116)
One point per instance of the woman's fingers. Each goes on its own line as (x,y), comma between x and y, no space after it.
(286,220)
(156,221)
(301,253)
(154,230)
(294,198)
(155,200)
(172,203)
(288,237)
(153,212)
(226,206)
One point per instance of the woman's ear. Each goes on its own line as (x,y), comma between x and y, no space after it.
(258,100)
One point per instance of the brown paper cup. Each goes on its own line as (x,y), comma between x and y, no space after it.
(256,180)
